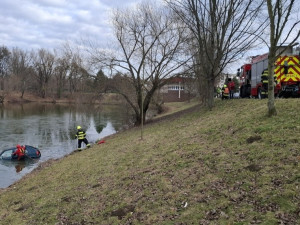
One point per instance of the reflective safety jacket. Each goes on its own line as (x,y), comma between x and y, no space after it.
(225,91)
(264,77)
(80,135)
(20,152)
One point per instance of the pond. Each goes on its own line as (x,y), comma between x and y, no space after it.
(51,128)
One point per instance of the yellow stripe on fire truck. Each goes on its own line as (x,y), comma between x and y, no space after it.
(293,68)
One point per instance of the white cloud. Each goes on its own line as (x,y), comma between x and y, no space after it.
(48,23)
(50,3)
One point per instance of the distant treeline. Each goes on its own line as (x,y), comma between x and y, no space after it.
(56,73)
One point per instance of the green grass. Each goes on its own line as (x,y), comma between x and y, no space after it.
(231,165)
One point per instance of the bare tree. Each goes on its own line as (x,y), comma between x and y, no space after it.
(63,68)
(77,74)
(4,65)
(150,49)
(44,65)
(20,67)
(70,70)
(60,74)
(223,31)
(279,14)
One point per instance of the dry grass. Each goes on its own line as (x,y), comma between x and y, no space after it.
(232,165)
(173,107)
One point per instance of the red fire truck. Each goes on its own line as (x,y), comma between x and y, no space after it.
(286,75)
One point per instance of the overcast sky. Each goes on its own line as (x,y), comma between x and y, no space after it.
(32,24)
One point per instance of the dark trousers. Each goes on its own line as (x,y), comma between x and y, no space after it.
(231,94)
(264,91)
(82,140)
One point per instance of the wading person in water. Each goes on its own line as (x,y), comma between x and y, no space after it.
(20,152)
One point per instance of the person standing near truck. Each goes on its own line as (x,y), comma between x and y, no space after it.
(231,86)
(225,92)
(265,83)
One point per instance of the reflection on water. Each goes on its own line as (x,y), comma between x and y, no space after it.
(52,128)
(20,166)
(11,171)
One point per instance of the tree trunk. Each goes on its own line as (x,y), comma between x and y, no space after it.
(138,120)
(22,93)
(271,60)
(271,98)
(210,89)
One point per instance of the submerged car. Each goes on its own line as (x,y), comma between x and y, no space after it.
(30,153)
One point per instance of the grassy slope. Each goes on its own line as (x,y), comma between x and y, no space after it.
(232,165)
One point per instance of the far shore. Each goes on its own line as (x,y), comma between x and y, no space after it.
(76,98)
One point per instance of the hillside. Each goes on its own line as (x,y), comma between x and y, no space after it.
(232,165)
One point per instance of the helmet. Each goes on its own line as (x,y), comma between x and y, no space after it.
(225,86)
(18,146)
(78,127)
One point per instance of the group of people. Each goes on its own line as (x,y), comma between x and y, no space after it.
(227,91)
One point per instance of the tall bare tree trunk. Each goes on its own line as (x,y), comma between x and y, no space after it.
(271,98)
(210,92)
(272,55)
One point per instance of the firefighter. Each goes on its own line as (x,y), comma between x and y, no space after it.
(80,135)
(264,81)
(20,152)
(225,92)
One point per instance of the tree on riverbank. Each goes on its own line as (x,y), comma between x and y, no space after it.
(150,48)
(4,62)
(21,70)
(223,30)
(44,73)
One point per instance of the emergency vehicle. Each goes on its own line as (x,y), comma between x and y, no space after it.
(286,75)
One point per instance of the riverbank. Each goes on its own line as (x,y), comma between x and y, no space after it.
(232,165)
(107,98)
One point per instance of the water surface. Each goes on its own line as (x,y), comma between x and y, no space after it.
(52,128)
